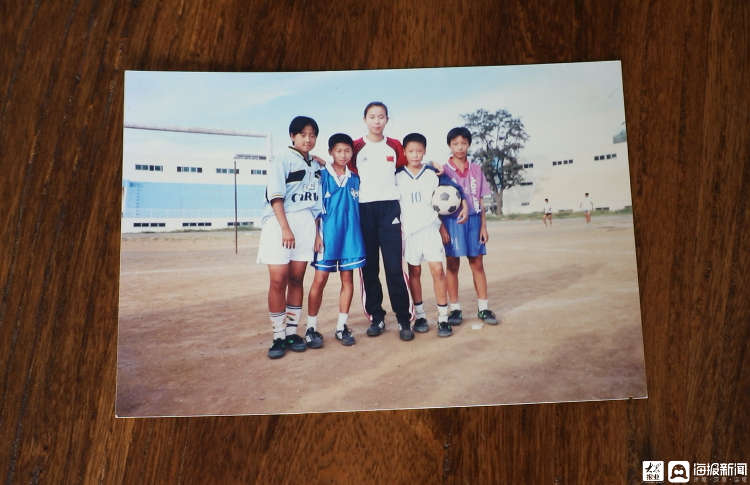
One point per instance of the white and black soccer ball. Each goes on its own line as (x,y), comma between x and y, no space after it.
(446,200)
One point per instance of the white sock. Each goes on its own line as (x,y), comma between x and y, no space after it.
(343,317)
(312,322)
(483,304)
(442,313)
(455,306)
(292,318)
(419,307)
(277,323)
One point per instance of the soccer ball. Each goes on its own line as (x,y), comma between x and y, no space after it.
(446,200)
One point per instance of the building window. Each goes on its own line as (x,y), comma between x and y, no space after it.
(150,168)
(528,165)
(227,170)
(249,157)
(190,169)
(524,203)
(554,163)
(196,224)
(258,172)
(149,224)
(526,183)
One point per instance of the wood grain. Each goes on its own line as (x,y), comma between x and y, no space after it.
(686,75)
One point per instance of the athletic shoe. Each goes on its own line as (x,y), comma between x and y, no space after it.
(278,349)
(455,317)
(488,317)
(313,339)
(405,332)
(296,343)
(376,328)
(420,325)
(345,336)
(444,329)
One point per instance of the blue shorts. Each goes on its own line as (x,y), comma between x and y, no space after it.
(464,237)
(333,265)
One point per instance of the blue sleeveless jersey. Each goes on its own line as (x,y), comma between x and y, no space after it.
(339,220)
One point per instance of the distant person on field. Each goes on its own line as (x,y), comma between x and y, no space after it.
(587,206)
(467,239)
(288,236)
(423,229)
(338,243)
(547,215)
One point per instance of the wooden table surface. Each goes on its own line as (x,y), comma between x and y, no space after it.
(686,80)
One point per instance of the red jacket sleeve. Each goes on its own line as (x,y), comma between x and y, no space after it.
(400,156)
(358,144)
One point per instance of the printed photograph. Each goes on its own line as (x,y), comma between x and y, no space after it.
(307,242)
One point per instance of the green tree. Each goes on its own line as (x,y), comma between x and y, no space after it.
(497,141)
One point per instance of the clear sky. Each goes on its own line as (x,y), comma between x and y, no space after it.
(564,107)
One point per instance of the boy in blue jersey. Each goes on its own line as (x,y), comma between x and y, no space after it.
(338,243)
(288,237)
(423,230)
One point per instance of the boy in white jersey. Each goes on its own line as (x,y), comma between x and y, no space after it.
(288,236)
(422,232)
(338,244)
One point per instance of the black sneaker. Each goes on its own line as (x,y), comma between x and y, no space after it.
(420,325)
(345,336)
(296,343)
(376,328)
(313,339)
(455,317)
(444,329)
(278,349)
(488,317)
(405,332)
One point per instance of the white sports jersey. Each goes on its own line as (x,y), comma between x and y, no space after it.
(547,209)
(416,199)
(376,164)
(296,180)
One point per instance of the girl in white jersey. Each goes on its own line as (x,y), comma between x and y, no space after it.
(376,158)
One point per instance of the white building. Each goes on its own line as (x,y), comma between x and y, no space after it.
(564,177)
(170,193)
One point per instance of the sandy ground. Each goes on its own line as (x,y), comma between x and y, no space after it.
(194,330)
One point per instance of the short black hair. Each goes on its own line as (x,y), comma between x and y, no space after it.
(300,122)
(546,200)
(340,138)
(417,137)
(376,103)
(459,131)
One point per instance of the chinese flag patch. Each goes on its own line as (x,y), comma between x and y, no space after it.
(390,158)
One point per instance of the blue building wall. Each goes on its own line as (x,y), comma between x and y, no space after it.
(154,195)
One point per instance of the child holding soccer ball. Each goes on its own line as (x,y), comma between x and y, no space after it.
(422,232)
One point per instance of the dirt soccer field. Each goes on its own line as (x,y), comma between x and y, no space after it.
(194,330)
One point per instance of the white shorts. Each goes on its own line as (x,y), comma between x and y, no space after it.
(270,249)
(424,245)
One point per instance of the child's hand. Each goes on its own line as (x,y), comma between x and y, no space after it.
(320,161)
(287,238)
(318,244)
(463,216)
(444,234)
(484,236)
(437,166)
